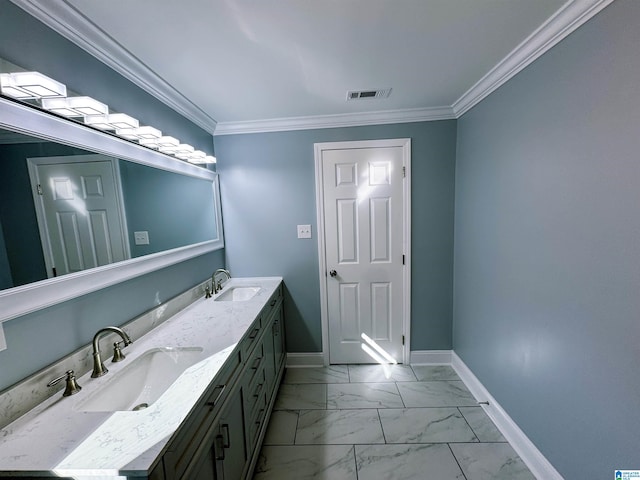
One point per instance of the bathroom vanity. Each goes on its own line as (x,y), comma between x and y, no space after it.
(191,400)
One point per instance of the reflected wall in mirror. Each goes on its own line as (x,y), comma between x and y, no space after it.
(172,203)
(65,209)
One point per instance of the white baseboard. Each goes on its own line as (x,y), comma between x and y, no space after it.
(431,357)
(295,360)
(418,357)
(528,452)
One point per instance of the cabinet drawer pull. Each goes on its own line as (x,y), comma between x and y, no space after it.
(254,333)
(219,448)
(227,443)
(257,391)
(274,302)
(259,421)
(256,363)
(222,389)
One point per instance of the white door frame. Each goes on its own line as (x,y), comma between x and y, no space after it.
(34,177)
(405,143)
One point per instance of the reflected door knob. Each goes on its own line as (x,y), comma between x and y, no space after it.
(333,273)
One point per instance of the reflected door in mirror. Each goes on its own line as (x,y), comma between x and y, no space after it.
(79,211)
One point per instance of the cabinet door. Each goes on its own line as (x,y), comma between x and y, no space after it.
(278,338)
(230,445)
(269,359)
(204,466)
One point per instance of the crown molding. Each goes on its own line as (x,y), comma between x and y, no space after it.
(71,24)
(571,16)
(336,121)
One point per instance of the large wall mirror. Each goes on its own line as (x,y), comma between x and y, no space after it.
(81,210)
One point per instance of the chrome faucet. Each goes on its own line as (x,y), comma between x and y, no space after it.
(216,287)
(98,367)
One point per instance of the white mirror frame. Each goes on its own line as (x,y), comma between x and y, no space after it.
(18,301)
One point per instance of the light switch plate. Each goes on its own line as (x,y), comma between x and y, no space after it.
(141,238)
(304,231)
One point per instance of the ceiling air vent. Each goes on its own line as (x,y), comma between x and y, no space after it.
(366,94)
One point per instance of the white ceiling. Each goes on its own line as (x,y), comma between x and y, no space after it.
(241,61)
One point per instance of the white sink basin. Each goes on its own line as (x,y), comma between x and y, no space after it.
(142,382)
(238,294)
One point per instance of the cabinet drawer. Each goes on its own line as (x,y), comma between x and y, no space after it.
(271,303)
(253,393)
(192,432)
(254,363)
(251,338)
(254,425)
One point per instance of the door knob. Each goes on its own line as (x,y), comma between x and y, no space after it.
(333,273)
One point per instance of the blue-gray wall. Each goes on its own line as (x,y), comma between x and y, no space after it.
(35,340)
(268,187)
(547,247)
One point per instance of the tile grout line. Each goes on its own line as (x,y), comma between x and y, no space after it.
(295,431)
(355,461)
(469,425)
(384,437)
(456,459)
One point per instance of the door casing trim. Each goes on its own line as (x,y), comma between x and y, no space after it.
(405,144)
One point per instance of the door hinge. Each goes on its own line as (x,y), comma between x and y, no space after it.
(402,339)
(40,190)
(404,172)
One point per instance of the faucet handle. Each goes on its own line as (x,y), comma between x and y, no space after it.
(118,356)
(72,386)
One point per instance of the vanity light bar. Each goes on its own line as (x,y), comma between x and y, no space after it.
(168,142)
(183,151)
(149,142)
(147,133)
(112,121)
(53,94)
(128,133)
(26,85)
(75,106)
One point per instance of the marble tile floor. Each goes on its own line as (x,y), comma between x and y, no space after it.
(368,422)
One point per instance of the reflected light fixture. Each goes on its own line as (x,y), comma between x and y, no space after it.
(26,85)
(112,121)
(75,106)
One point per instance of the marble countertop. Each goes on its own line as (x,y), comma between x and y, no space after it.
(56,439)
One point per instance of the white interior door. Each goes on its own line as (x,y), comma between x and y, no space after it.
(79,213)
(363,206)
